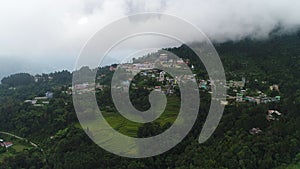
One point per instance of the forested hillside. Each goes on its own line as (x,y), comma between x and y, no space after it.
(62,143)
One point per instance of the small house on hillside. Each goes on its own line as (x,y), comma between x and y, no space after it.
(49,95)
(5,144)
(255,131)
(274,87)
(273,115)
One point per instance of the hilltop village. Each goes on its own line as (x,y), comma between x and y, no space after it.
(144,74)
(237,90)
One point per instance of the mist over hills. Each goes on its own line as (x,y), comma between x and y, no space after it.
(12,65)
(9,65)
(54,33)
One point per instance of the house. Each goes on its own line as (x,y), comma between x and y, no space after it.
(5,144)
(45,102)
(255,131)
(250,99)
(239,97)
(273,115)
(203,86)
(81,86)
(49,95)
(264,99)
(8,144)
(224,103)
(180,61)
(274,87)
(144,73)
(170,91)
(30,101)
(161,76)
(112,68)
(163,57)
(277,98)
(40,101)
(101,87)
(40,98)
(187,61)
(157,88)
(237,84)
(257,100)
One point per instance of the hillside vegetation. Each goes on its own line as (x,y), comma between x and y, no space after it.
(64,144)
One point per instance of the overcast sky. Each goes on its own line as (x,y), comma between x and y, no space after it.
(52,32)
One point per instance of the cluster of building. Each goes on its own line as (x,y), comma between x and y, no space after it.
(166,83)
(271,116)
(40,101)
(86,87)
(162,61)
(38,78)
(149,70)
(237,84)
(261,98)
(240,93)
(5,143)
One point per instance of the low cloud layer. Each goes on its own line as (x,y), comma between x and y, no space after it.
(50,30)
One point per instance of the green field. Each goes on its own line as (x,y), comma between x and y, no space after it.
(129,128)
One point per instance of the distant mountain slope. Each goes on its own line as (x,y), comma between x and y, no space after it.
(10,65)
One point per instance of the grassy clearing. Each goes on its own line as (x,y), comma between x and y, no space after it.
(129,128)
(18,146)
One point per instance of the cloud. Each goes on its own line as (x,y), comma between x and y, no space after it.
(52,29)
(235,20)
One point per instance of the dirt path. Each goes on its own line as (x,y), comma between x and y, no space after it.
(18,137)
